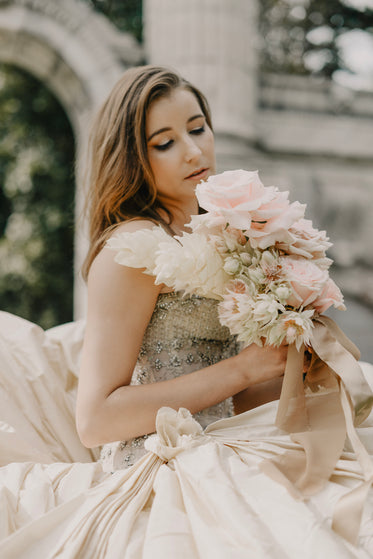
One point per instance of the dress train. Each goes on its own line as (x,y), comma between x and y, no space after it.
(195,493)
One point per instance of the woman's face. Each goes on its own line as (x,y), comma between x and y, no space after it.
(180,146)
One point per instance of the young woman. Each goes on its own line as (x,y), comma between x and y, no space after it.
(152,143)
(150,355)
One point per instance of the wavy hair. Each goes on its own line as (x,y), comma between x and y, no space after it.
(120,181)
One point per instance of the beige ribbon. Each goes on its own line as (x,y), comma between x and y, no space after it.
(318,413)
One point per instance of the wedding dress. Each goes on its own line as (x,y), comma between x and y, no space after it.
(184,335)
(195,489)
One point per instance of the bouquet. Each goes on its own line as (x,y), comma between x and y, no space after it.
(253,251)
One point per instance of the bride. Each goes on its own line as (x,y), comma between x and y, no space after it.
(197,488)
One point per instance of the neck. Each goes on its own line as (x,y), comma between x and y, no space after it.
(180,216)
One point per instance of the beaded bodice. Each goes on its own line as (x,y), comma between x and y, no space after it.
(183,335)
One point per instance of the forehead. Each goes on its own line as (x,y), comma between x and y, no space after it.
(180,104)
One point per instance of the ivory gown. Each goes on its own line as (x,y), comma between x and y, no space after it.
(190,493)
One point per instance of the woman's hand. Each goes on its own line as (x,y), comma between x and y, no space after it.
(264,368)
(262,364)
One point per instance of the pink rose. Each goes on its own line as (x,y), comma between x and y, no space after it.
(330,295)
(306,241)
(231,197)
(307,280)
(240,199)
(271,222)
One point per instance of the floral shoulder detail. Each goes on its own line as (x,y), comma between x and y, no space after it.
(138,249)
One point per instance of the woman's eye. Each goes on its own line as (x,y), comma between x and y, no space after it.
(166,145)
(197,131)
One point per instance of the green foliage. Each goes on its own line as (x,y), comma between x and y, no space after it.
(126,15)
(36,201)
(289,39)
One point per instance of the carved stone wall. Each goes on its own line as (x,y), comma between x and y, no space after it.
(79,55)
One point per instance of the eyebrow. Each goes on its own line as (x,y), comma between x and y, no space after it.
(167,129)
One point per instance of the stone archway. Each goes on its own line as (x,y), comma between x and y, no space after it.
(78,55)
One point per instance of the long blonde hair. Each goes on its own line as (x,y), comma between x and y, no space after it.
(120,181)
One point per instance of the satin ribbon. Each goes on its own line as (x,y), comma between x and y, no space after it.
(319,413)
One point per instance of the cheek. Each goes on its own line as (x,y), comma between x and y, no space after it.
(162,167)
(211,149)
(210,143)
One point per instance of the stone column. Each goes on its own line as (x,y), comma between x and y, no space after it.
(213,44)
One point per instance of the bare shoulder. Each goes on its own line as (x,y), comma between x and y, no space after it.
(112,282)
(134,225)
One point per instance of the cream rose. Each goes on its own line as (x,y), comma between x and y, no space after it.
(307,280)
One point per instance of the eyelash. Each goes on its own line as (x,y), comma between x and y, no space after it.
(195,131)
(163,147)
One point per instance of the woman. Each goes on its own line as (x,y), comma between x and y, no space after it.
(189,493)
(152,143)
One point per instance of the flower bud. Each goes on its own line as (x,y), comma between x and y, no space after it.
(245,258)
(256,275)
(232,266)
(282,293)
(268,258)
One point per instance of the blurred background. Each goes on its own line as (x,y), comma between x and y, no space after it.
(290,83)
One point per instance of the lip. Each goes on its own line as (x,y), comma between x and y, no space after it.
(198,174)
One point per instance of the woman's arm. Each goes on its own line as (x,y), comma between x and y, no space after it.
(121,301)
(258,394)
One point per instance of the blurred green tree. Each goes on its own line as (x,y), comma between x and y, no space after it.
(297,36)
(36,201)
(303,36)
(127,15)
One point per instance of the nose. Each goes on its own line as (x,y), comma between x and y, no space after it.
(192,150)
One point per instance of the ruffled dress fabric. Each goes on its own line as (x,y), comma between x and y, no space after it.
(196,488)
